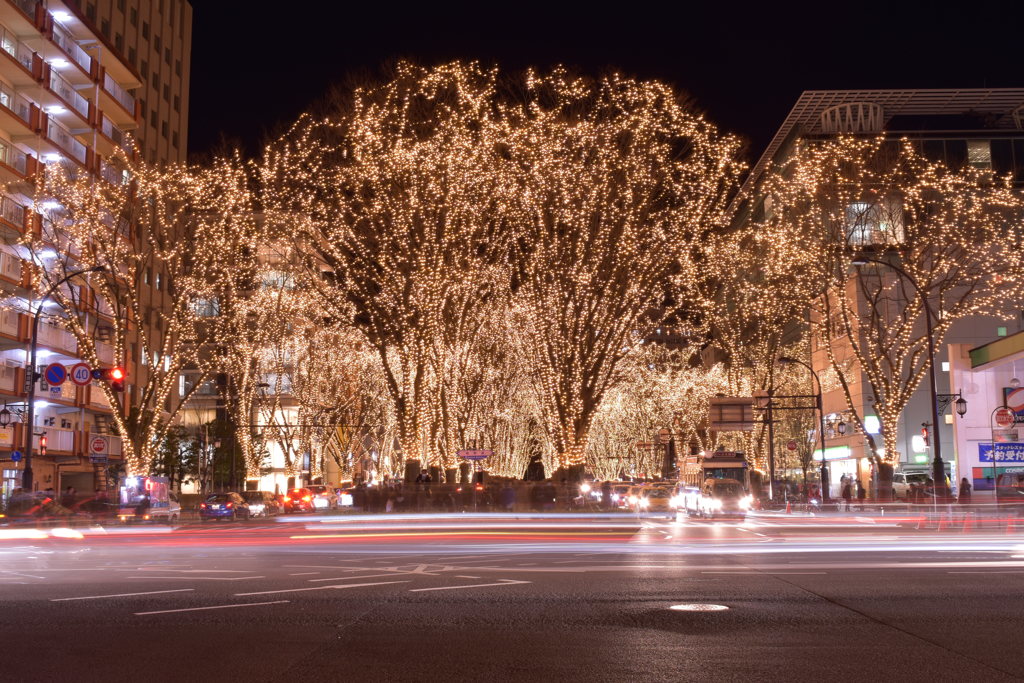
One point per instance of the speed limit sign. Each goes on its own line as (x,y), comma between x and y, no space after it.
(81,374)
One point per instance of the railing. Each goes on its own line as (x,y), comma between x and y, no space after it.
(13,157)
(112,174)
(12,212)
(56,439)
(18,104)
(105,352)
(97,397)
(9,320)
(63,392)
(57,337)
(65,42)
(65,140)
(10,265)
(70,95)
(27,6)
(8,378)
(118,136)
(15,48)
(119,94)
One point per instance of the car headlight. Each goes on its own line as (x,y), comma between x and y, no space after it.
(632,500)
(644,502)
(258,507)
(320,502)
(716,503)
(615,498)
(746,502)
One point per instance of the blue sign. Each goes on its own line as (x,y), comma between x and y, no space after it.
(55,374)
(1005,452)
(15,456)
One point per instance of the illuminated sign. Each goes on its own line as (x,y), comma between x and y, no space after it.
(834,453)
(1005,452)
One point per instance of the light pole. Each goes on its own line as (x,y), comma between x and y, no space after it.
(30,374)
(938,467)
(785,360)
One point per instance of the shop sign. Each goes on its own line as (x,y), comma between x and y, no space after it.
(1004,452)
(834,453)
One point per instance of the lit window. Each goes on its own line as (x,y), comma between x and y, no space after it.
(1000,331)
(979,154)
(945,366)
(874,223)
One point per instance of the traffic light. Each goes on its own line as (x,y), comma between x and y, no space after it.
(42,445)
(924,435)
(114,375)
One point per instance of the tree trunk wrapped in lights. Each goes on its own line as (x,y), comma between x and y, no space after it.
(619,182)
(955,231)
(165,239)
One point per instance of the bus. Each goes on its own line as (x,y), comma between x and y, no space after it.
(715,485)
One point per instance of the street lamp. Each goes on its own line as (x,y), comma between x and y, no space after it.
(938,467)
(26,476)
(785,360)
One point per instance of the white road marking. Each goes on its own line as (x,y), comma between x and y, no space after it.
(121,595)
(189,571)
(503,582)
(459,576)
(197,609)
(339,586)
(989,572)
(30,576)
(304,573)
(198,578)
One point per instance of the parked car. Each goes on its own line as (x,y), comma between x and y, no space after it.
(224,506)
(324,497)
(901,482)
(298,500)
(262,503)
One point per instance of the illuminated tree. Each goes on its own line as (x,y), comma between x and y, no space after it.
(955,231)
(163,238)
(618,182)
(398,197)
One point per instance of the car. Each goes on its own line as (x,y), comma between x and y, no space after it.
(298,500)
(655,499)
(262,503)
(620,495)
(324,497)
(902,481)
(229,506)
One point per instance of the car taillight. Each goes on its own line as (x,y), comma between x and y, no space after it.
(202,506)
(228,505)
(287,499)
(307,498)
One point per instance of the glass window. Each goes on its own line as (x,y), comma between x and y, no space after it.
(870,223)
(145,30)
(133,17)
(979,154)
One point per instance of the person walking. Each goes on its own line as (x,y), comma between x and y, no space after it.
(964,496)
(508,497)
(862,493)
(847,494)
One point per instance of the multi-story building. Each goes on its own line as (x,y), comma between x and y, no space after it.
(980,127)
(68,84)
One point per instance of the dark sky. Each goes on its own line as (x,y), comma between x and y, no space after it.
(254,69)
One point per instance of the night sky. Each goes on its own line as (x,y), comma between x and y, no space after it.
(256,67)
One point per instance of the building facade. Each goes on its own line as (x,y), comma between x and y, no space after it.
(983,128)
(71,93)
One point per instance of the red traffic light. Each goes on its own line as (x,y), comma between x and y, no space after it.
(117,374)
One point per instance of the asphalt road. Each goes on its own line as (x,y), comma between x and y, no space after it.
(513,598)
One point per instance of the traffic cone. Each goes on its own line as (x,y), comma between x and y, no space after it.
(789,506)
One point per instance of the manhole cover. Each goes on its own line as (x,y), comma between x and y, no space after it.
(699,607)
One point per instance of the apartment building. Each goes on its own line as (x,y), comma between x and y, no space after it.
(72,93)
(980,127)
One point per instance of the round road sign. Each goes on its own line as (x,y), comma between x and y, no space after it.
(1004,417)
(791,445)
(81,374)
(98,444)
(15,456)
(55,374)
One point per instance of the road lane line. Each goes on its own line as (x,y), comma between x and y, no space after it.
(460,576)
(503,582)
(197,609)
(339,586)
(197,578)
(121,595)
(304,573)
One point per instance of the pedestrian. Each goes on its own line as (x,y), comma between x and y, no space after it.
(847,494)
(508,497)
(69,497)
(606,495)
(862,493)
(419,477)
(965,492)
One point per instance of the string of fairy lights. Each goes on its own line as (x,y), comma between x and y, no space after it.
(461,257)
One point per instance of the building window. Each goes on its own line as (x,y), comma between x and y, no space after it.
(120,5)
(145,30)
(90,12)
(167,92)
(159,284)
(142,107)
(105,28)
(1000,331)
(177,67)
(157,44)
(167,55)
(119,42)
(131,56)
(979,154)
(133,17)
(144,69)
(152,118)
(156,79)
(869,223)
(163,129)
(177,103)
(174,139)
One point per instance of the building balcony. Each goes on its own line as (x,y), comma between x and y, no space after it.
(58,134)
(28,65)
(17,112)
(10,267)
(22,16)
(12,215)
(57,338)
(113,137)
(117,102)
(60,440)
(10,324)
(83,70)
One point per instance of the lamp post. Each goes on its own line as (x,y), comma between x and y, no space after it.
(821,424)
(30,372)
(938,467)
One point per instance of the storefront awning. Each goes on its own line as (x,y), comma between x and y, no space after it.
(998,351)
